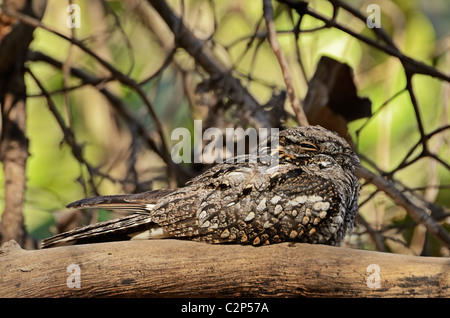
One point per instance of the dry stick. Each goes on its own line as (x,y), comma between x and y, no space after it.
(423,137)
(99,81)
(66,77)
(394,192)
(418,214)
(376,236)
(404,163)
(418,239)
(409,88)
(13,155)
(378,110)
(272,36)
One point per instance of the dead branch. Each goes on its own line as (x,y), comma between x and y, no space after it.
(173,268)
(13,141)
(272,36)
(416,212)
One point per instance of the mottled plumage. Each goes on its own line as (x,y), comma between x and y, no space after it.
(306,192)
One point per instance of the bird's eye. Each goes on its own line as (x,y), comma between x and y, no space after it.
(308,146)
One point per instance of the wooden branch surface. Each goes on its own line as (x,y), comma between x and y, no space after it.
(174,268)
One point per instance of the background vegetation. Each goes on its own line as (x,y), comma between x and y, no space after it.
(116,157)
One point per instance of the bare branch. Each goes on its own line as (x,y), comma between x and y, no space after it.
(203,56)
(285,69)
(69,136)
(171,268)
(132,120)
(417,213)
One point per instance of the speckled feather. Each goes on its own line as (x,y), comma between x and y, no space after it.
(308,195)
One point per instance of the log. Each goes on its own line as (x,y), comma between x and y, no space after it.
(176,268)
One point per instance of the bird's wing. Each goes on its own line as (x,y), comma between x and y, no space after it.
(138,202)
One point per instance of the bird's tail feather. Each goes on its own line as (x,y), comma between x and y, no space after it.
(113,230)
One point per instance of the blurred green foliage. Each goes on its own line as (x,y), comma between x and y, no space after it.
(135,50)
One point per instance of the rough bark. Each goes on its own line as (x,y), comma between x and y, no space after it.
(173,268)
(15,38)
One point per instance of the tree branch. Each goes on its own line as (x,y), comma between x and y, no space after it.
(411,65)
(13,140)
(173,268)
(170,268)
(272,36)
(416,212)
(203,56)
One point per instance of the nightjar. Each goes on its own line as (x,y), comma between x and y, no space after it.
(303,190)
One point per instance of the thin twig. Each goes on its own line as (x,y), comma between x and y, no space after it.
(374,234)
(69,136)
(272,36)
(417,213)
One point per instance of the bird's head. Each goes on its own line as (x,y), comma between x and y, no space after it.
(314,142)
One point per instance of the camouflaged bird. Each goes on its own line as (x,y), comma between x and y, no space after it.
(306,191)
